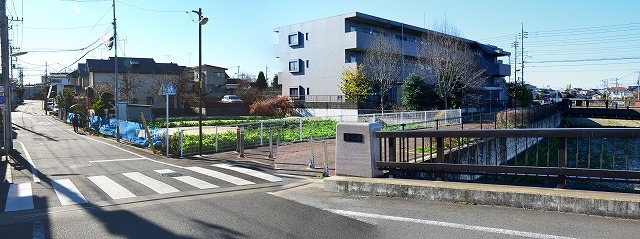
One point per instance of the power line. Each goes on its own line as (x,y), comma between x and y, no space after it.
(152,10)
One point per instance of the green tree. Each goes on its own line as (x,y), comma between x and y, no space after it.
(519,93)
(417,94)
(66,99)
(104,102)
(20,92)
(274,81)
(261,82)
(355,85)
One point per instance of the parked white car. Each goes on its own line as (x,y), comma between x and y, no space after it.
(231,99)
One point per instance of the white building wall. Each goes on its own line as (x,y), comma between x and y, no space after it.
(321,45)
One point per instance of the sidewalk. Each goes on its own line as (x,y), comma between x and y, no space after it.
(292,159)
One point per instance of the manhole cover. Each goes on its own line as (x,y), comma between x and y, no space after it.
(80,166)
(171,175)
(356,197)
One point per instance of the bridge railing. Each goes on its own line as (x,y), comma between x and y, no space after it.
(607,104)
(574,154)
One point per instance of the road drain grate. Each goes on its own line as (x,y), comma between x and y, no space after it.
(171,175)
(356,197)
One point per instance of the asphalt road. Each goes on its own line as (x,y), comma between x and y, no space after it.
(93,187)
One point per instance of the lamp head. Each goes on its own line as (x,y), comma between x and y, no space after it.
(203,21)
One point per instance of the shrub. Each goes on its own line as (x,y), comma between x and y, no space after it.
(277,106)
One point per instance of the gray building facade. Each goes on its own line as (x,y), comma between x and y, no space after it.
(312,55)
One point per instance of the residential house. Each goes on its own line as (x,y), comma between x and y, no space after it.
(314,54)
(139,79)
(215,80)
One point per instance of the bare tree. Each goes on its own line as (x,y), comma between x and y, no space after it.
(129,83)
(183,82)
(382,63)
(450,63)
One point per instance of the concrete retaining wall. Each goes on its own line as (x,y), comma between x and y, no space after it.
(561,200)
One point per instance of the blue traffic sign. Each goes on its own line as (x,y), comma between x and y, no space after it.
(2,101)
(170,90)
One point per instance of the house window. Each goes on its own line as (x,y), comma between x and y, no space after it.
(218,74)
(293,39)
(293,92)
(149,100)
(294,66)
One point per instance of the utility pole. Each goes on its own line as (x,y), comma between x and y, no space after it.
(605,85)
(116,90)
(515,59)
(523,35)
(4,48)
(638,85)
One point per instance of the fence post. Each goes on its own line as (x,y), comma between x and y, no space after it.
(562,161)
(180,142)
(437,121)
(277,145)
(439,175)
(425,119)
(300,129)
(325,156)
(270,143)
(241,141)
(216,138)
(312,164)
(261,133)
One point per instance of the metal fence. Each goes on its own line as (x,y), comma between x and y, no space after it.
(561,154)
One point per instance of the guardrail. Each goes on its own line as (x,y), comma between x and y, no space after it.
(575,154)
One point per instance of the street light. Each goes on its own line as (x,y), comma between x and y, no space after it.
(201,21)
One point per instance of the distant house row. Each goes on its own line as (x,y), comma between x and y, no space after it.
(140,80)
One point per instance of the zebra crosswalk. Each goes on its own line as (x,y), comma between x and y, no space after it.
(112,187)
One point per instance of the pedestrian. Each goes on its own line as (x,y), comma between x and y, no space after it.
(74,122)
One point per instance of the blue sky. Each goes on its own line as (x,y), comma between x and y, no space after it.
(572,42)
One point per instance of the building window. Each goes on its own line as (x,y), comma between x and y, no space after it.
(293,39)
(307,63)
(293,92)
(149,100)
(308,90)
(294,66)
(218,74)
(306,36)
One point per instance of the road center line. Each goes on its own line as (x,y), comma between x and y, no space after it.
(34,171)
(448,224)
(143,157)
(114,160)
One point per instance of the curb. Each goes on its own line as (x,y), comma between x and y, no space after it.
(620,205)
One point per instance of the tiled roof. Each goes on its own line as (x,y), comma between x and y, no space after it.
(132,65)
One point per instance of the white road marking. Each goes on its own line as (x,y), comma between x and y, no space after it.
(151,183)
(138,155)
(250,172)
(20,197)
(113,189)
(189,180)
(221,176)
(34,171)
(448,224)
(67,192)
(114,160)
